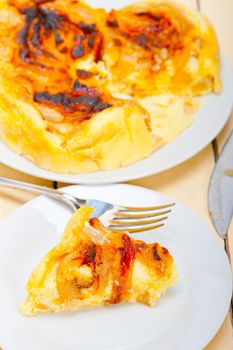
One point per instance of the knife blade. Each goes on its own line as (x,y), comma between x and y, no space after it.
(220,194)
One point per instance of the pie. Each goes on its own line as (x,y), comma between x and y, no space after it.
(93,266)
(82,89)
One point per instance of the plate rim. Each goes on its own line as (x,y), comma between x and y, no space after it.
(206,337)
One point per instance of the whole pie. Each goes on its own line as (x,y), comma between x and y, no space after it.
(92,266)
(82,89)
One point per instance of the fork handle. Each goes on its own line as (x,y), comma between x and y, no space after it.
(69,200)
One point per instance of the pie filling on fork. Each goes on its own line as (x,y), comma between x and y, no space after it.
(92,266)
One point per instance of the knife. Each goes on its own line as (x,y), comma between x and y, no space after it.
(220,194)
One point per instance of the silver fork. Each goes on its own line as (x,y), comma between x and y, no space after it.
(115,217)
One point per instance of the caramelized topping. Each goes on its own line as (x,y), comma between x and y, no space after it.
(122,267)
(155,253)
(87,28)
(95,42)
(111,20)
(77,51)
(68,101)
(127,254)
(39,21)
(82,89)
(50,40)
(89,254)
(71,103)
(146,29)
(83,74)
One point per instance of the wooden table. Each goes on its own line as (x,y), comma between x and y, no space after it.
(186,183)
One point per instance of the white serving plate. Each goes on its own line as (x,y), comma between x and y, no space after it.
(208,122)
(186,317)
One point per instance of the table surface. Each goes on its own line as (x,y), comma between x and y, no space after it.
(186,183)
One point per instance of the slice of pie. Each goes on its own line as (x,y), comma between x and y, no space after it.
(93,266)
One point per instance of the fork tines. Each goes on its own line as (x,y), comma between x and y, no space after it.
(139,219)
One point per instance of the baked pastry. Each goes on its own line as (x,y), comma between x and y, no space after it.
(83,90)
(52,112)
(92,266)
(157,46)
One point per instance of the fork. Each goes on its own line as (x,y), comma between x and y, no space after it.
(115,217)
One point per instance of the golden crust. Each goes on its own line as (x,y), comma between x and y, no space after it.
(111,139)
(92,266)
(65,74)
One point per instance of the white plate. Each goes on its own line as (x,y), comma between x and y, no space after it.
(208,122)
(186,317)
